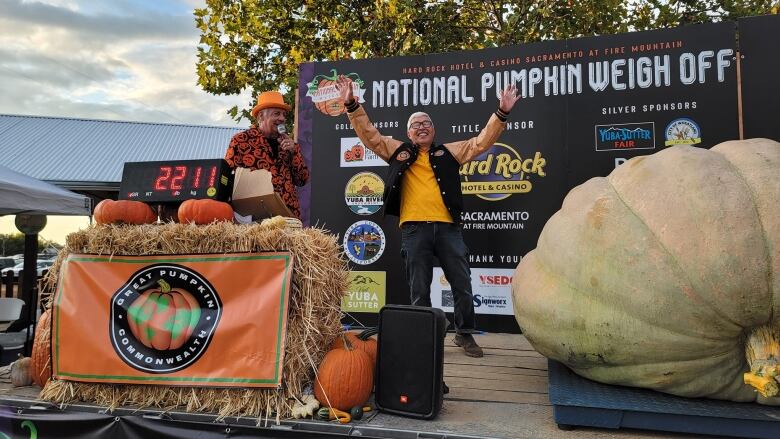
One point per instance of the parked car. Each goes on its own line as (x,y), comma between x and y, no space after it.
(7,262)
(42,266)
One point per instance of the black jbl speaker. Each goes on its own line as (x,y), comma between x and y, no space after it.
(410,361)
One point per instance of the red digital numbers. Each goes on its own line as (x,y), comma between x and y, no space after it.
(179,173)
(213,176)
(170,178)
(173,178)
(161,184)
(196,179)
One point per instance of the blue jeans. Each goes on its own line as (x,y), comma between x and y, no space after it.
(420,242)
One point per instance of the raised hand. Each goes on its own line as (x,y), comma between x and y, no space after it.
(508,98)
(344,87)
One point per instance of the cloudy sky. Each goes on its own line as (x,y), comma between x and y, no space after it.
(103,59)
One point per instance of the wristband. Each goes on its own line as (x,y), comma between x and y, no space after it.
(352,106)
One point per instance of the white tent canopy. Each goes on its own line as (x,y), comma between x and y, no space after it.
(20,193)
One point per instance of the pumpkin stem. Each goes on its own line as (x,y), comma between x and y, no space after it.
(347,344)
(763,355)
(165,287)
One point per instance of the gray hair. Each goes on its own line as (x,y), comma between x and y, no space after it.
(419,113)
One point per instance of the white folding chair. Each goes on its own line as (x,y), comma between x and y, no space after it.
(11,344)
(10,309)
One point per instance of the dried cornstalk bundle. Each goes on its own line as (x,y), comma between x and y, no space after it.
(319,281)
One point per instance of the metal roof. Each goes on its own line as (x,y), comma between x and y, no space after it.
(86,152)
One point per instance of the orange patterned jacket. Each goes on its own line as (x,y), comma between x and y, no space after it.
(249,149)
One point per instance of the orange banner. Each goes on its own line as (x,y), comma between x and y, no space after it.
(181,320)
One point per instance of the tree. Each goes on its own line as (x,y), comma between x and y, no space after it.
(13,244)
(259,44)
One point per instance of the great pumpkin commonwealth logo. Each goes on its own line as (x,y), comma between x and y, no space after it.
(163,318)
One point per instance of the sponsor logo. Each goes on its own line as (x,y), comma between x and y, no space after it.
(363,193)
(499,172)
(364,242)
(623,136)
(163,318)
(403,155)
(354,154)
(491,289)
(682,131)
(322,91)
(479,300)
(439,153)
(495,280)
(366,292)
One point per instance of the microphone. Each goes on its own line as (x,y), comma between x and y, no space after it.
(281,129)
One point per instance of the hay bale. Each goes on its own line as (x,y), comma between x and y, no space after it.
(319,280)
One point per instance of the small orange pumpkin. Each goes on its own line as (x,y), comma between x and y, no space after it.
(124,211)
(360,340)
(345,378)
(40,366)
(204,211)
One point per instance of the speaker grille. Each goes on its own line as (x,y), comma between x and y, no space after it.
(408,355)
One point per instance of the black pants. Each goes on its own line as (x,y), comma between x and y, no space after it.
(420,242)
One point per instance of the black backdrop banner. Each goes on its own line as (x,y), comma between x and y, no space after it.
(588,105)
(758,37)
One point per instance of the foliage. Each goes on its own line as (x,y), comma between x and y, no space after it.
(260,44)
(13,244)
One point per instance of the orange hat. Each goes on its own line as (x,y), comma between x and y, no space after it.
(269,99)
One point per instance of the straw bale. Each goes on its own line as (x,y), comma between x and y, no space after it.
(319,280)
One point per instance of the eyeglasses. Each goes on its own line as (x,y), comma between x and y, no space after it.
(423,124)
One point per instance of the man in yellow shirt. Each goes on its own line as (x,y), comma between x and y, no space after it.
(422,187)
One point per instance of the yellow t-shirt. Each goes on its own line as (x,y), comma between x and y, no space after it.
(420,193)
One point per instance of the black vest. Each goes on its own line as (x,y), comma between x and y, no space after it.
(445,168)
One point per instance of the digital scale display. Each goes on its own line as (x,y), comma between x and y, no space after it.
(176,181)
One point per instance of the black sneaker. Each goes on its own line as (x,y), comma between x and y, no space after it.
(467,342)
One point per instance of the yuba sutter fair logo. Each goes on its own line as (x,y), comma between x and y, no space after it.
(623,136)
(163,318)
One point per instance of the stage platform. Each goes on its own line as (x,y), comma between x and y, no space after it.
(502,395)
(581,402)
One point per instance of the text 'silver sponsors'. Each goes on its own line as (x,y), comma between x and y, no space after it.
(322,91)
(499,172)
(163,318)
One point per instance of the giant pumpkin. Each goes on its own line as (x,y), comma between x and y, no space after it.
(664,273)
